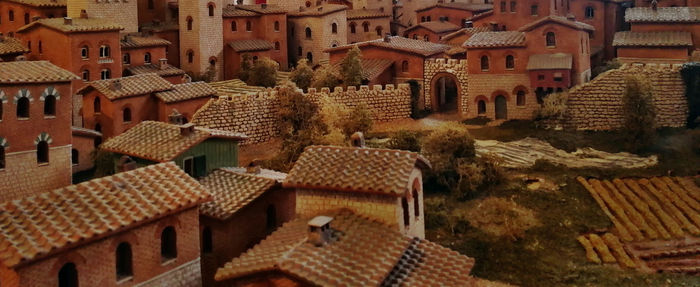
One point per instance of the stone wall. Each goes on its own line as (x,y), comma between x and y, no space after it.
(386,104)
(486,87)
(124,13)
(185,275)
(438,67)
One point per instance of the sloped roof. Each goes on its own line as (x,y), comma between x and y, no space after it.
(356,14)
(135,41)
(232,191)
(80,131)
(361,252)
(420,47)
(78,25)
(250,45)
(653,39)
(662,14)
(164,71)
(252,10)
(49,222)
(9,46)
(436,26)
(33,72)
(368,170)
(496,39)
(130,86)
(160,142)
(465,31)
(557,61)
(42,3)
(186,91)
(557,19)
(235,86)
(371,68)
(474,7)
(320,10)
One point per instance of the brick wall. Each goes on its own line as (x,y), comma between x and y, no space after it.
(487,87)
(322,37)
(205,39)
(23,176)
(124,13)
(185,275)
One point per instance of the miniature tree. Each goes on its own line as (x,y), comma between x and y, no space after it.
(246,66)
(639,112)
(302,75)
(325,77)
(359,120)
(351,67)
(263,73)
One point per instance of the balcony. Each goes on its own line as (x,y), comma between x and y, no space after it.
(105,60)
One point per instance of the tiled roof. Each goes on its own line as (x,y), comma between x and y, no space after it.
(556,61)
(42,3)
(496,39)
(232,11)
(163,71)
(33,72)
(9,46)
(481,15)
(465,31)
(79,131)
(158,141)
(653,39)
(160,26)
(436,26)
(235,86)
(261,9)
(360,252)
(420,47)
(456,50)
(354,169)
(250,45)
(318,10)
(371,68)
(75,215)
(474,7)
(232,191)
(663,14)
(128,86)
(186,91)
(356,14)
(133,41)
(557,19)
(78,25)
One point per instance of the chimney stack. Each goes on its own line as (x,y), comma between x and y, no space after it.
(187,129)
(654,5)
(83,14)
(358,139)
(320,230)
(163,63)
(116,85)
(253,167)
(67,20)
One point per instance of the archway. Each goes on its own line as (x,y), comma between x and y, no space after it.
(501,107)
(445,93)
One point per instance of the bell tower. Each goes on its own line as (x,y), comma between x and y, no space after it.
(201,38)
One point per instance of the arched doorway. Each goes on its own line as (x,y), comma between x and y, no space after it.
(445,93)
(501,107)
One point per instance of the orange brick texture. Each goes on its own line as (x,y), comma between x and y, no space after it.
(23,176)
(125,13)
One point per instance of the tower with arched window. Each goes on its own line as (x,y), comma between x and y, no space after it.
(201,36)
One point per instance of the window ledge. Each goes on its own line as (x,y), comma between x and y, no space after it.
(125,279)
(168,261)
(85,59)
(49,117)
(22,119)
(43,164)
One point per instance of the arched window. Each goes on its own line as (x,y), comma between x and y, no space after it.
(85,52)
(277,26)
(590,12)
(404,66)
(147,58)
(406,213)
(234,26)
(74,156)
(310,57)
(68,275)
(11,15)
(416,202)
(190,56)
(426,38)
(189,23)
(86,75)
(513,6)
(41,47)
(415,36)
(126,58)
(105,74)
(26,18)
(126,115)
(124,265)
(308,4)
(42,152)
(271,218)
(98,127)
(380,31)
(168,244)
(551,39)
(97,106)
(422,19)
(151,5)
(207,240)
(248,26)
(353,27)
(23,107)
(520,98)
(277,46)
(365,27)
(481,107)
(308,32)
(104,51)
(510,62)
(50,105)
(301,52)
(484,63)
(334,28)
(210,6)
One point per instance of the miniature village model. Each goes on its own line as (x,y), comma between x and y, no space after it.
(481,143)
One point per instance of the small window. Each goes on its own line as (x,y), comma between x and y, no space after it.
(510,62)
(86,75)
(189,23)
(248,26)
(534,10)
(551,39)
(188,166)
(11,15)
(404,66)
(310,57)
(277,46)
(426,38)
(481,107)
(23,108)
(353,28)
(68,275)
(503,6)
(428,19)
(41,48)
(380,31)
(26,18)
(190,56)
(308,32)
(97,107)
(105,74)
(42,152)
(558,77)
(50,105)
(422,19)
(126,115)
(484,63)
(406,213)
(271,218)
(365,27)
(234,26)
(151,5)
(300,51)
(126,59)
(124,264)
(277,26)
(84,52)
(590,12)
(74,156)
(168,244)
(416,202)
(147,58)
(207,240)
(540,77)
(334,28)
(104,51)
(520,98)
(210,6)
(513,6)
(415,36)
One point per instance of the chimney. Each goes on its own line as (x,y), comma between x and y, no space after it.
(654,5)
(253,167)
(116,85)
(387,38)
(357,139)
(83,14)
(263,5)
(320,230)
(187,129)
(67,20)
(163,63)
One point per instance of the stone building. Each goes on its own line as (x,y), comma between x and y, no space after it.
(198,151)
(11,48)
(201,37)
(35,128)
(456,13)
(367,24)
(247,205)
(121,13)
(137,228)
(16,13)
(313,30)
(658,46)
(183,100)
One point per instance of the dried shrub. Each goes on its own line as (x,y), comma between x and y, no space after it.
(639,112)
(302,75)
(501,217)
(405,140)
(553,107)
(325,77)
(358,120)
(351,67)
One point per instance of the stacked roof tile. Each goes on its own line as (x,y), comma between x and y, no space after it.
(371,68)
(360,252)
(161,69)
(496,39)
(465,31)
(33,72)
(436,26)
(252,10)
(76,25)
(129,86)
(354,169)
(663,14)
(473,7)
(187,91)
(557,61)
(135,41)
(52,221)
(250,45)
(10,46)
(320,10)
(235,86)
(42,3)
(356,14)
(232,191)
(160,142)
(420,47)
(653,39)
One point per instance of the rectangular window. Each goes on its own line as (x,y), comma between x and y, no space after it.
(533,10)
(503,6)
(200,166)
(513,6)
(558,77)
(188,166)
(540,77)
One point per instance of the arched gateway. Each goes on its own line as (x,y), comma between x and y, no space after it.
(445,86)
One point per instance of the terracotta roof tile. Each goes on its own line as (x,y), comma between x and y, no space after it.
(663,14)
(46,223)
(653,39)
(356,14)
(235,86)
(318,10)
(371,68)
(42,3)
(134,41)
(465,31)
(474,7)
(420,47)
(557,19)
(261,9)
(354,169)
(164,71)
(250,45)
(9,46)
(129,86)
(79,131)
(78,25)
(361,252)
(158,141)
(33,72)
(232,191)
(436,26)
(187,91)
(496,39)
(556,61)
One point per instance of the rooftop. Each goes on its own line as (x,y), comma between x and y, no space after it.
(160,69)
(11,46)
(496,39)
(356,14)
(130,86)
(235,86)
(232,191)
(137,41)
(474,7)
(77,25)
(46,223)
(187,91)
(320,10)
(252,10)
(33,72)
(559,20)
(160,142)
(251,45)
(558,61)
(371,68)
(436,26)
(420,47)
(465,31)
(663,14)
(653,39)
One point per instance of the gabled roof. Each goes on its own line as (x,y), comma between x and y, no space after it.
(352,169)
(250,45)
(235,86)
(420,47)
(49,222)
(559,20)
(252,10)
(663,14)
(163,70)
(371,68)
(42,3)
(316,11)
(232,191)
(130,86)
(496,39)
(135,41)
(437,27)
(473,7)
(360,252)
(481,15)
(356,14)
(33,72)
(11,46)
(77,25)
(465,31)
(186,91)
(79,131)
(653,39)
(160,142)
(557,61)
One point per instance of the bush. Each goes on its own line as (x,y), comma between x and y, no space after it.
(405,140)
(358,120)
(325,77)
(501,217)
(351,67)
(436,215)
(297,113)
(639,112)
(553,107)
(104,163)
(691,77)
(609,65)
(246,67)
(302,75)
(416,112)
(478,121)
(263,73)
(491,167)
(448,143)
